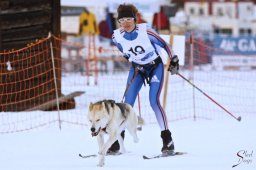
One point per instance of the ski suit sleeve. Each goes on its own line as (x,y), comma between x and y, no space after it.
(156,39)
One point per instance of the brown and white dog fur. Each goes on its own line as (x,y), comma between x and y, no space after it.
(111,118)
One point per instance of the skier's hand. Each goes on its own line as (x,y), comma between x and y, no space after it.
(174,65)
(126,57)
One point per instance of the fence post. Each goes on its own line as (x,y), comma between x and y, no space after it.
(55,80)
(191,69)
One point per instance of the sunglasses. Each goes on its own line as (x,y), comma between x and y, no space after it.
(122,20)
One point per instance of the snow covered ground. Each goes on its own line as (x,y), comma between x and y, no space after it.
(214,143)
(210,144)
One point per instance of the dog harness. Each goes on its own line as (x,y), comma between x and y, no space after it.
(146,71)
(121,106)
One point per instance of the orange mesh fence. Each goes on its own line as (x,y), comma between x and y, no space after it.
(88,73)
(26,77)
(26,81)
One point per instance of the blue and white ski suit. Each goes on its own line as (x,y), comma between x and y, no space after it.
(140,47)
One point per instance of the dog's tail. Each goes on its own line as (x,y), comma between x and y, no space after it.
(140,120)
(140,123)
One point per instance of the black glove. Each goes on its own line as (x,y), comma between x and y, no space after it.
(126,57)
(174,65)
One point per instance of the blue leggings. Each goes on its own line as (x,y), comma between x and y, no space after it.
(134,84)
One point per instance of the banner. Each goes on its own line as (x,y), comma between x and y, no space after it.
(242,45)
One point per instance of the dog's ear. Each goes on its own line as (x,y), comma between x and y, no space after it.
(90,106)
(103,104)
(112,103)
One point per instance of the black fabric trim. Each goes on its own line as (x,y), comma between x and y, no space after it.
(149,67)
(122,108)
(124,14)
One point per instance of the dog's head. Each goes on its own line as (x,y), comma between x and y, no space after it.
(98,116)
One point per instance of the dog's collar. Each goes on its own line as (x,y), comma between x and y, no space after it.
(104,129)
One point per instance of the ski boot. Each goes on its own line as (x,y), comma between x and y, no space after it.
(168,145)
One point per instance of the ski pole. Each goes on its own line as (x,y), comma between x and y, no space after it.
(237,118)
(140,120)
(128,84)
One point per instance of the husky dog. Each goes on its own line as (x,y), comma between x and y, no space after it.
(109,117)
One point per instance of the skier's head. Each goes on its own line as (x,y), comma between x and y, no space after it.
(127,11)
(127,16)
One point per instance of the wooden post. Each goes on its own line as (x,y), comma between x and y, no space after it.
(55,80)
(95,59)
(167,76)
(191,68)
(0,38)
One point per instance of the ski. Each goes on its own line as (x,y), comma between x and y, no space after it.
(87,156)
(162,155)
(94,155)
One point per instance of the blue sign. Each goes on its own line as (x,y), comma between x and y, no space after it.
(243,45)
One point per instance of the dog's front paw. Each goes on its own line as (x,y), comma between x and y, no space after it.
(136,140)
(101,160)
(101,164)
